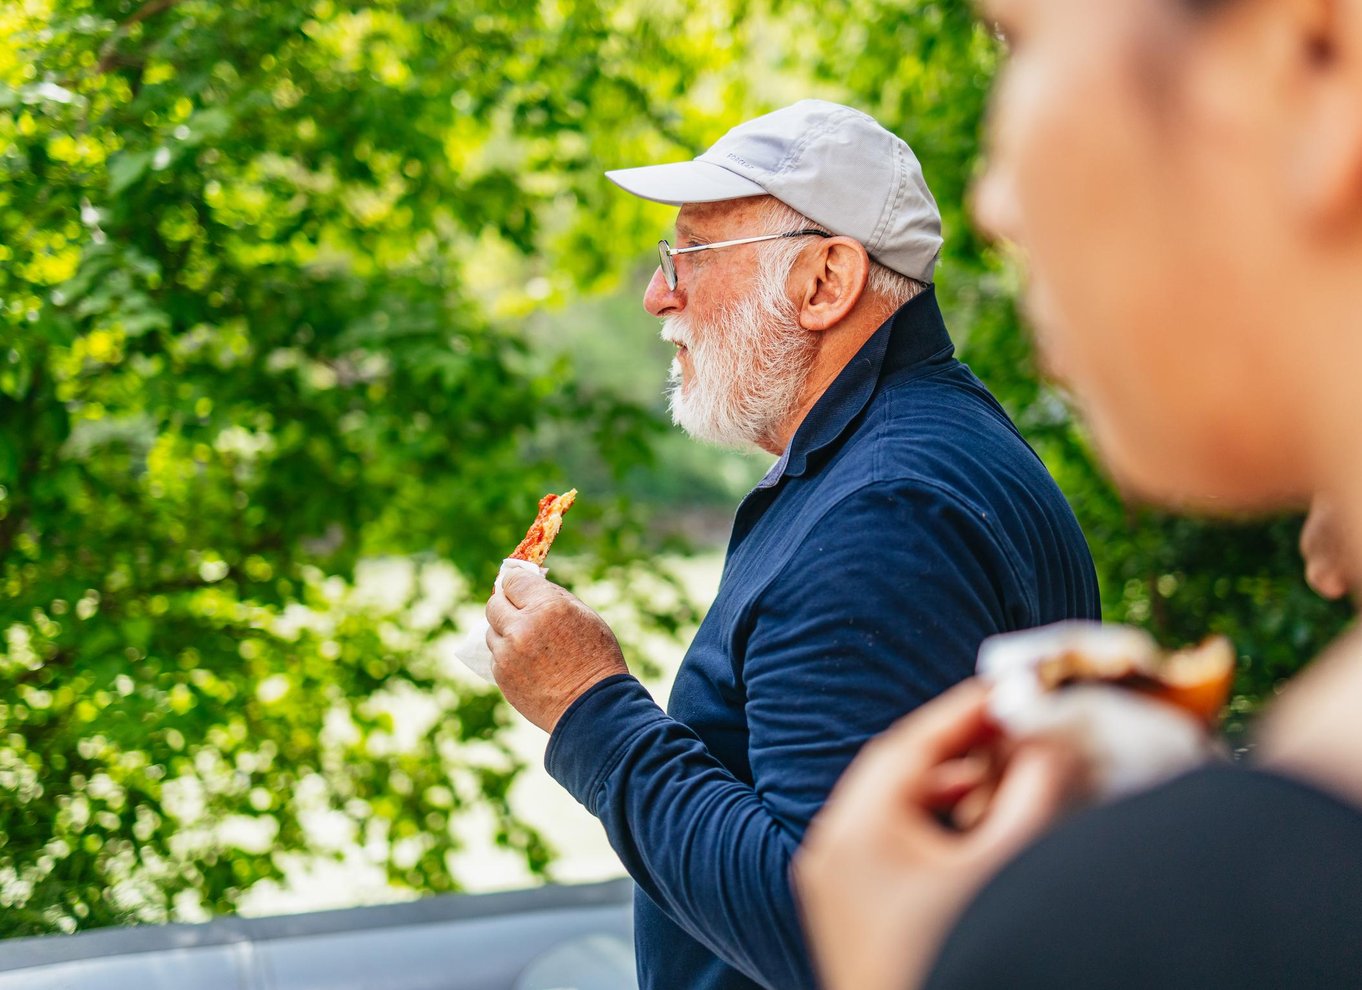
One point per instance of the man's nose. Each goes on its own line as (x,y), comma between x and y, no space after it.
(660,300)
(994,205)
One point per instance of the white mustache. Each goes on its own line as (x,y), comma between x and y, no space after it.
(673,332)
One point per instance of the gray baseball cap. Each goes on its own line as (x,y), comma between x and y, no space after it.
(835,165)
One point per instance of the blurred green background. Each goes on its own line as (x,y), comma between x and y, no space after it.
(287,289)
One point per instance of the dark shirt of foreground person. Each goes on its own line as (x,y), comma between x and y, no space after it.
(1225,879)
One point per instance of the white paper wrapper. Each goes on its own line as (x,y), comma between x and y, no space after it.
(1129,742)
(472,650)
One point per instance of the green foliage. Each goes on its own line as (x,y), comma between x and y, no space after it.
(248,255)
(259,266)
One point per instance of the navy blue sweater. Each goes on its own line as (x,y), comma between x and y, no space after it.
(907,521)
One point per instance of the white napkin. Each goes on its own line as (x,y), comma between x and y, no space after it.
(472,650)
(1129,742)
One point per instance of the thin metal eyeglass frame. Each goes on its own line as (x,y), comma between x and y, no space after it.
(666,252)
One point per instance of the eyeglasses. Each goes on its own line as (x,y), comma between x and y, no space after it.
(666,252)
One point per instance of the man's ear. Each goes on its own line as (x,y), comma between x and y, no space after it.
(1327,165)
(831,280)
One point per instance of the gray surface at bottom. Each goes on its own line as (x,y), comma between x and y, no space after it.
(554,937)
(472,955)
(218,967)
(594,962)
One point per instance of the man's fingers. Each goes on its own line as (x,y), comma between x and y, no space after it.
(500,612)
(972,807)
(1039,780)
(522,587)
(945,727)
(1322,545)
(897,768)
(945,784)
(1326,580)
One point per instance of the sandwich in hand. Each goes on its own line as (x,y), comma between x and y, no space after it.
(1134,712)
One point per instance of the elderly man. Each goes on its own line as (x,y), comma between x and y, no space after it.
(904,521)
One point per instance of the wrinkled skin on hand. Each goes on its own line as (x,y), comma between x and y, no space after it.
(890,861)
(547,647)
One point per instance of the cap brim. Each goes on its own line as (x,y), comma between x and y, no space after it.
(679,183)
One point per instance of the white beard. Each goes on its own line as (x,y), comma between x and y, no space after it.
(749,369)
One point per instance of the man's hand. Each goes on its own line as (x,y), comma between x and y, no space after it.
(547,647)
(880,877)
(1322,546)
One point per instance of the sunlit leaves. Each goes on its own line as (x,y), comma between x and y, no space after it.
(239,353)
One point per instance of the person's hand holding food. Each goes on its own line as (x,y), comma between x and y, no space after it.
(884,868)
(547,647)
(1061,715)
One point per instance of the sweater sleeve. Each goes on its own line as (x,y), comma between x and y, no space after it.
(882,607)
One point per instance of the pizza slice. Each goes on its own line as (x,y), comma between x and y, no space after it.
(535,546)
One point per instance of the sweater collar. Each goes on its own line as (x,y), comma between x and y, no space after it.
(915,337)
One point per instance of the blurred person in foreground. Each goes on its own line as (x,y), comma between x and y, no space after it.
(1193,228)
(903,522)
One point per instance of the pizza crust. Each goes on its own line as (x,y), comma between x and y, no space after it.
(535,546)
